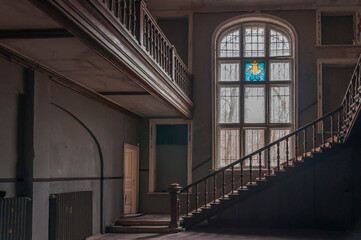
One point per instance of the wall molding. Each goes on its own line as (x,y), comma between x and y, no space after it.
(11,180)
(74,179)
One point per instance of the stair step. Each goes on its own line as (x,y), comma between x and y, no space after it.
(215,203)
(137,229)
(251,184)
(122,222)
(261,180)
(197,213)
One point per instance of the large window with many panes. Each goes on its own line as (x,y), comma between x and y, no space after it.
(254,90)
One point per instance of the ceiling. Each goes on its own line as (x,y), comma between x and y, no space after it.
(72,59)
(244,5)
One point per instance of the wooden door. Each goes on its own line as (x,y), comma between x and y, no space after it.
(130,179)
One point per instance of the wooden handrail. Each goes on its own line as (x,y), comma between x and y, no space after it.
(348,101)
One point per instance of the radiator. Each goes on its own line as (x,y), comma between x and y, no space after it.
(15,218)
(70,216)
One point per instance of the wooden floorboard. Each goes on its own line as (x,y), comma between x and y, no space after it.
(224,234)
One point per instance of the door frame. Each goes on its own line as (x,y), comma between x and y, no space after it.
(152,150)
(136,149)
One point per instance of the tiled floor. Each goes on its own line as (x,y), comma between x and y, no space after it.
(259,234)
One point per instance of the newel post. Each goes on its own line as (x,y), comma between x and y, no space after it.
(174,206)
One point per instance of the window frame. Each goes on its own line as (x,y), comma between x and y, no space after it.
(241,125)
(337,12)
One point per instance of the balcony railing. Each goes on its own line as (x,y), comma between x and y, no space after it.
(135,17)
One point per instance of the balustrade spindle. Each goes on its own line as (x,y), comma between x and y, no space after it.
(232,180)
(162,53)
(130,12)
(152,38)
(323,132)
(115,7)
(119,9)
(149,29)
(179,205)
(314,137)
(134,18)
(269,161)
(197,198)
(287,153)
(223,185)
(155,45)
(260,165)
(338,122)
(145,32)
(214,188)
(296,147)
(188,202)
(332,134)
(250,170)
(125,12)
(278,156)
(305,142)
(205,193)
(159,49)
(241,174)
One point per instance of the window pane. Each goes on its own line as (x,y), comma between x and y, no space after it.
(254,71)
(254,41)
(279,44)
(254,140)
(280,105)
(280,71)
(254,105)
(229,46)
(275,135)
(229,146)
(229,105)
(229,72)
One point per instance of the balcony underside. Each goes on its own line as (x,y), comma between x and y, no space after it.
(89,55)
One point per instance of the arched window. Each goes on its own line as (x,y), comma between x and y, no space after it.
(254,89)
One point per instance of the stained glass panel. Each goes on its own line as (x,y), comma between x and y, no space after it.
(229,46)
(254,140)
(229,72)
(254,71)
(254,41)
(229,146)
(280,71)
(254,105)
(229,105)
(280,105)
(279,44)
(275,135)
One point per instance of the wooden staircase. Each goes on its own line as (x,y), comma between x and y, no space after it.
(227,186)
(259,184)
(151,223)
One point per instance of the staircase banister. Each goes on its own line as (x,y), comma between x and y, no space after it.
(154,22)
(262,149)
(182,63)
(350,84)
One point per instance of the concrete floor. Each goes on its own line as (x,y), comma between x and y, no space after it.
(225,234)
